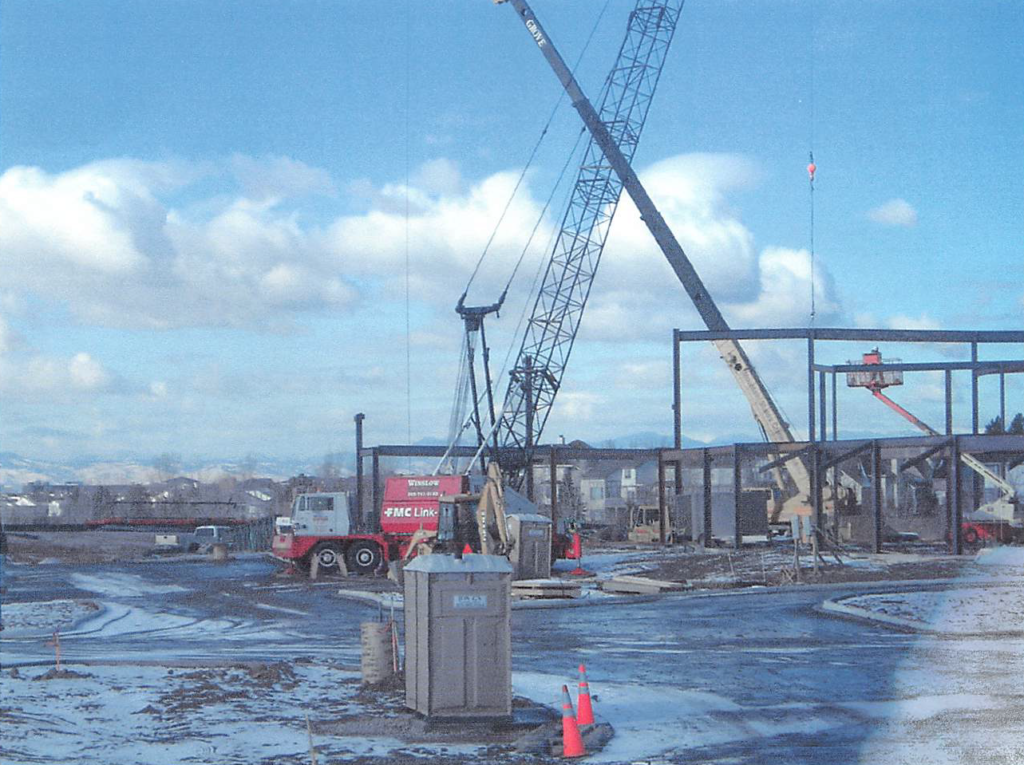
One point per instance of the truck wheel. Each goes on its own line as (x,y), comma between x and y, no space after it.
(327,555)
(970,536)
(363,557)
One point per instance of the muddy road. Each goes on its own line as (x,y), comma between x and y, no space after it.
(741,677)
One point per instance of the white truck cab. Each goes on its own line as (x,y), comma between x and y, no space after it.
(322,514)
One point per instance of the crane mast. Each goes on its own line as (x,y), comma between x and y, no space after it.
(551,331)
(765,410)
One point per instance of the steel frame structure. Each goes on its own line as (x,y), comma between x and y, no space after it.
(816,394)
(551,453)
(825,456)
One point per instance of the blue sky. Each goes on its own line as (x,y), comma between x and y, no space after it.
(203,231)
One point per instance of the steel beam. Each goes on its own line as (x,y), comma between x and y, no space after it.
(1008,366)
(870,335)
(915,461)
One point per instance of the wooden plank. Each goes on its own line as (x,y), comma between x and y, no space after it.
(545,588)
(629,588)
(661,584)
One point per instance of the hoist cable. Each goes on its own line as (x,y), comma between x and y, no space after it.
(408,323)
(529,161)
(811,166)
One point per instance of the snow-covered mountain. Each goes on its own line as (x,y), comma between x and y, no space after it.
(16,470)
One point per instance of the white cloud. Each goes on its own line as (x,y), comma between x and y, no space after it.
(276,177)
(895,212)
(577,407)
(445,235)
(438,176)
(107,241)
(120,252)
(644,375)
(6,337)
(86,373)
(784,298)
(637,295)
(35,376)
(924,321)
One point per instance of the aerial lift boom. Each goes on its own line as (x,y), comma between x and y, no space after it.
(764,409)
(876,382)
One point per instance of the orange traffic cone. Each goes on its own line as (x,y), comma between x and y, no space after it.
(467,550)
(585,711)
(572,741)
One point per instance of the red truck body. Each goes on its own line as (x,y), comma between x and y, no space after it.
(327,535)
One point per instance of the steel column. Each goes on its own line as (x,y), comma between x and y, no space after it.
(1002,402)
(360,511)
(677,408)
(677,393)
(949,402)
(662,507)
(835,502)
(876,497)
(816,493)
(810,387)
(737,477)
(974,389)
(553,467)
(835,410)
(953,498)
(375,490)
(706,465)
(823,408)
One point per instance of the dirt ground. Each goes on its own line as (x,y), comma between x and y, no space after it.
(774,565)
(705,569)
(76,547)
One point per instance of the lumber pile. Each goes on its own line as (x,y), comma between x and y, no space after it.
(535,589)
(641,585)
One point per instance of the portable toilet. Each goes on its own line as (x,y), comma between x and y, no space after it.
(458,641)
(531,545)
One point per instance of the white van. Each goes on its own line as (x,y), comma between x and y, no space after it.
(205,536)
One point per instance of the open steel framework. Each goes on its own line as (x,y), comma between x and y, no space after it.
(553,454)
(823,456)
(813,336)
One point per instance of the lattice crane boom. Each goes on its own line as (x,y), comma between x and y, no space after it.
(551,331)
(765,411)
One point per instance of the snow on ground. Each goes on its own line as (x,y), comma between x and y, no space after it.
(122,585)
(41,619)
(155,715)
(611,562)
(1001,556)
(961,611)
(662,723)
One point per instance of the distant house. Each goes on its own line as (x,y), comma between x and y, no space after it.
(17,509)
